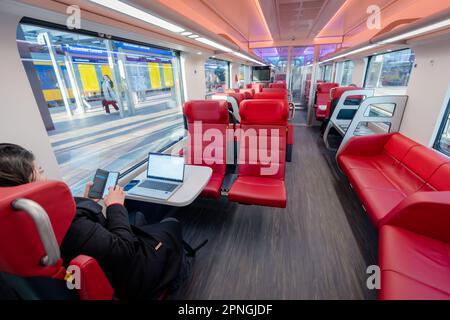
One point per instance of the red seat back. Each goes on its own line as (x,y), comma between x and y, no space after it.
(336,93)
(21,247)
(248,93)
(272,95)
(325,87)
(277,85)
(21,244)
(263,131)
(274,90)
(238,96)
(213,117)
(277,95)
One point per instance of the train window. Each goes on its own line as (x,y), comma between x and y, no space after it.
(326,72)
(105,103)
(216,75)
(390,69)
(244,75)
(344,72)
(442,143)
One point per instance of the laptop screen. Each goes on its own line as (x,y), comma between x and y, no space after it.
(163,166)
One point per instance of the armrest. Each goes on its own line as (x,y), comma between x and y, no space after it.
(366,145)
(94,284)
(425,213)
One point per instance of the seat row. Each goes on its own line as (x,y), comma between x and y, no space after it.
(405,189)
(260,140)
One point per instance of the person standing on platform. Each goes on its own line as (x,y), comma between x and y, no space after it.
(109,96)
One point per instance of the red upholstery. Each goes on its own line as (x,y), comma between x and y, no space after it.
(414,266)
(254,185)
(283,96)
(277,85)
(21,248)
(248,93)
(272,95)
(396,178)
(94,284)
(258,87)
(212,114)
(323,98)
(335,94)
(274,90)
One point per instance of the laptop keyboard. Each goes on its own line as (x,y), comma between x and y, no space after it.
(157,185)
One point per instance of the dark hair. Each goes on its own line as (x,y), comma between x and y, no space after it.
(16,165)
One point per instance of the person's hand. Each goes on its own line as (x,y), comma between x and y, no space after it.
(115,196)
(87,189)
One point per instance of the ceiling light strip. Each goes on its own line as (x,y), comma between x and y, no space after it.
(138,14)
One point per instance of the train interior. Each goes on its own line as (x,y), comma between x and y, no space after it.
(314,135)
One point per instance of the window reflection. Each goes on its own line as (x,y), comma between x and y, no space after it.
(216,75)
(105,103)
(390,70)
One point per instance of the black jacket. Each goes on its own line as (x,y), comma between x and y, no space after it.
(137,266)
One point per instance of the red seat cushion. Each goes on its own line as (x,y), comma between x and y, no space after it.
(413,266)
(259,191)
(379,202)
(213,188)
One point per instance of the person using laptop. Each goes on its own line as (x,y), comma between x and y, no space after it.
(140,262)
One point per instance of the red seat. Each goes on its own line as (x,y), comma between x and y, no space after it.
(22,246)
(281,94)
(261,181)
(323,98)
(277,85)
(248,93)
(325,111)
(392,174)
(211,114)
(414,266)
(255,86)
(274,90)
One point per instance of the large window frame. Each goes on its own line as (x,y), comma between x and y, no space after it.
(177,79)
(227,76)
(369,65)
(443,128)
(344,68)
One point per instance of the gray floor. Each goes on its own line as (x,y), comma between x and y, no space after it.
(317,248)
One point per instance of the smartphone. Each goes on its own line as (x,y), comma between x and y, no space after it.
(130,185)
(103,180)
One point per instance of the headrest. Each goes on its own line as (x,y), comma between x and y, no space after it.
(326,87)
(249,93)
(238,96)
(207,111)
(21,248)
(257,87)
(274,90)
(272,95)
(263,112)
(277,85)
(336,93)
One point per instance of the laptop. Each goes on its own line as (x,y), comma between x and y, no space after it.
(165,174)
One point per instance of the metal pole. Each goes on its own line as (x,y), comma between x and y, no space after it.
(59,75)
(310,116)
(74,84)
